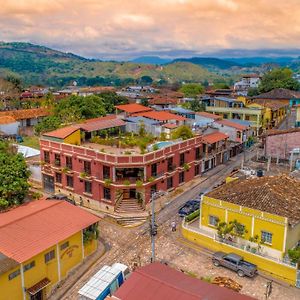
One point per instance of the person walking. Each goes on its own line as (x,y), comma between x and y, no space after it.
(173,226)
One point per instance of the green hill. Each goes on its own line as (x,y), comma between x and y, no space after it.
(41,65)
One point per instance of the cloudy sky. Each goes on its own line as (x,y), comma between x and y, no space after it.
(121,29)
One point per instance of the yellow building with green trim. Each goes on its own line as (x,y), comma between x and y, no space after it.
(40,243)
(268,211)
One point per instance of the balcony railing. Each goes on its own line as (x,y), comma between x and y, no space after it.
(171,168)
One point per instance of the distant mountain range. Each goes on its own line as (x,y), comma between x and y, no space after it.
(36,64)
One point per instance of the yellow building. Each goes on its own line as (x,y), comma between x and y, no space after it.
(297,116)
(266,215)
(275,112)
(40,242)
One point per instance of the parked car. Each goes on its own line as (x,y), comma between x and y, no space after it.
(189,207)
(234,262)
(60,197)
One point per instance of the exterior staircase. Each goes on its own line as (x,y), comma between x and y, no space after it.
(129,206)
(130,213)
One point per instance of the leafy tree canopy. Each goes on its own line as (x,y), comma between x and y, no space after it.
(184,132)
(278,78)
(194,105)
(75,108)
(192,89)
(13,177)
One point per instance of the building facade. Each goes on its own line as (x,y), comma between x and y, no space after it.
(51,242)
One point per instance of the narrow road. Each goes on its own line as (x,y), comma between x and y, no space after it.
(129,245)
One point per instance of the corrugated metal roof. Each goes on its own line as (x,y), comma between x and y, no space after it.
(161,116)
(62,133)
(160,282)
(101,123)
(133,108)
(35,226)
(142,119)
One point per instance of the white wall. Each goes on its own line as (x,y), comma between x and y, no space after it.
(11,128)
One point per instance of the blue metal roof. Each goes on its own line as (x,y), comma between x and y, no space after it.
(225,99)
(242,122)
(181,110)
(141,119)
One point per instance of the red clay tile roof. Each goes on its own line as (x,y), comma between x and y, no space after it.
(162,100)
(214,137)
(232,124)
(273,104)
(101,123)
(160,282)
(62,133)
(38,225)
(133,108)
(277,195)
(7,120)
(283,131)
(280,93)
(23,114)
(161,116)
(208,115)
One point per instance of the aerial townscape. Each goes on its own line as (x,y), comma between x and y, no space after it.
(149,150)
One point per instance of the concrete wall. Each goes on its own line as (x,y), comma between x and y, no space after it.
(280,145)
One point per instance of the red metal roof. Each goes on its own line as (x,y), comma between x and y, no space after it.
(232,124)
(208,115)
(62,133)
(214,137)
(38,225)
(161,116)
(133,108)
(160,282)
(101,123)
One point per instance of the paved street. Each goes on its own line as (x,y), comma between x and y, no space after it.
(132,246)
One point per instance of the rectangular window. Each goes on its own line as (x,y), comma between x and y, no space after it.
(266,237)
(170,164)
(57,159)
(29,266)
(69,162)
(154,170)
(197,153)
(69,181)
(88,187)
(87,167)
(213,220)
(181,159)
(47,157)
(169,182)
(64,246)
(49,256)
(106,172)
(58,177)
(14,274)
(181,177)
(197,170)
(106,193)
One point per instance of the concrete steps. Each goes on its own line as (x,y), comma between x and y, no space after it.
(129,206)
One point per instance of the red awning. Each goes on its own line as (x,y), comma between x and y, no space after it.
(38,286)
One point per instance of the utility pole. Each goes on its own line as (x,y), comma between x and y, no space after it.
(153,228)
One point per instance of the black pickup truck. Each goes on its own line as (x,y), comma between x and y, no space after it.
(234,262)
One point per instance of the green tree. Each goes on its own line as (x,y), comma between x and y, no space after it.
(191,89)
(220,85)
(253,92)
(278,78)
(145,80)
(47,124)
(145,101)
(13,177)
(194,105)
(183,132)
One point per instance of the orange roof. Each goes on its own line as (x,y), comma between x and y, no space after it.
(208,115)
(232,124)
(133,108)
(161,116)
(38,225)
(214,137)
(23,114)
(7,120)
(62,133)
